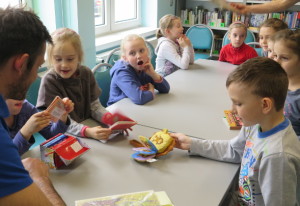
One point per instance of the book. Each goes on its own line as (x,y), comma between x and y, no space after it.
(61,150)
(145,198)
(118,121)
(122,125)
(232,121)
(56,109)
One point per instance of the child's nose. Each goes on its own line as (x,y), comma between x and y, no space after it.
(64,63)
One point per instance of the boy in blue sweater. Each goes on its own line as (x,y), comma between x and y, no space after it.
(133,76)
(267,147)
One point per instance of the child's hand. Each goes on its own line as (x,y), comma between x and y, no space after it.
(69,107)
(35,123)
(148,68)
(182,141)
(98,132)
(147,87)
(184,41)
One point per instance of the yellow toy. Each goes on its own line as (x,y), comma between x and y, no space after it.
(158,145)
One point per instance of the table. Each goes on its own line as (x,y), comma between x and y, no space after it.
(194,106)
(108,169)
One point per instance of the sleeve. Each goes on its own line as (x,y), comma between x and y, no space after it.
(222,150)
(222,56)
(252,53)
(169,52)
(130,86)
(22,144)
(192,54)
(75,128)
(26,112)
(163,86)
(277,175)
(47,92)
(97,110)
(54,128)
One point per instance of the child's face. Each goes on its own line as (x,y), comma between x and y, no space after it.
(65,59)
(264,34)
(245,104)
(286,58)
(136,53)
(271,49)
(237,37)
(14,106)
(176,31)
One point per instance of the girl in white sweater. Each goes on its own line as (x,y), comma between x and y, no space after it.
(174,50)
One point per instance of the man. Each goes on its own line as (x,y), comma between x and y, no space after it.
(23,40)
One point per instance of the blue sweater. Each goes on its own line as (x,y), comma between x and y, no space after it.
(20,120)
(126,83)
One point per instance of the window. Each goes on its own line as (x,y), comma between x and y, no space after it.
(116,15)
(5,3)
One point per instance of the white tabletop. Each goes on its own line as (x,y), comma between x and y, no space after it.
(108,169)
(194,105)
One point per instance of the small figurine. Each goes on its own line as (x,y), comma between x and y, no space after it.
(158,145)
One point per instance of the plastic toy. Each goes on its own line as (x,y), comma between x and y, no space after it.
(161,143)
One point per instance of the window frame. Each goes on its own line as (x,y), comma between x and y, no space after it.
(111,26)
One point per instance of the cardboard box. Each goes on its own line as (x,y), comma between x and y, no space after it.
(61,150)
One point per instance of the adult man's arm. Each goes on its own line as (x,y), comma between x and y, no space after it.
(40,192)
(272,6)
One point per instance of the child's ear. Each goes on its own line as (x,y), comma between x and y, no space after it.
(21,61)
(267,105)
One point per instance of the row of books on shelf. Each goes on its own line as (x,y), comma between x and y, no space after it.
(223,18)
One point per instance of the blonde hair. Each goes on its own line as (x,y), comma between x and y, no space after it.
(128,38)
(166,22)
(237,24)
(61,36)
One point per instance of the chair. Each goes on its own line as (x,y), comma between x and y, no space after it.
(102,76)
(152,53)
(250,38)
(113,56)
(257,48)
(201,37)
(38,140)
(33,91)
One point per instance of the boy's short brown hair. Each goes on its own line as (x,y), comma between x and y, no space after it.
(21,32)
(264,76)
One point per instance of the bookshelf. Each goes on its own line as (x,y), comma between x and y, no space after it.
(214,18)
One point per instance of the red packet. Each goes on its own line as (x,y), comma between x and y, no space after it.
(56,109)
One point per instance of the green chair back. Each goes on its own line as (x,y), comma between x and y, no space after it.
(102,76)
(202,38)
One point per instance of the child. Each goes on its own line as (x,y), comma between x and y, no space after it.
(174,50)
(267,29)
(267,146)
(287,53)
(237,51)
(134,76)
(68,78)
(271,47)
(25,120)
